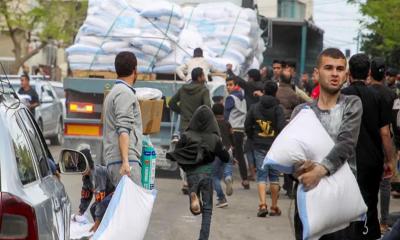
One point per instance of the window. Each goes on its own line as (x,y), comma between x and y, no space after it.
(291,9)
(23,155)
(60,92)
(37,144)
(46,91)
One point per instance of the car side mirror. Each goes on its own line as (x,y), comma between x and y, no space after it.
(73,162)
(47,99)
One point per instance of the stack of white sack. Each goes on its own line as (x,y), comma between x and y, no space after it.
(163,35)
(147,29)
(230,34)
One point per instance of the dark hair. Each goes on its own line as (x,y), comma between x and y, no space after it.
(291,64)
(276,62)
(378,69)
(217,98)
(125,64)
(88,156)
(232,78)
(359,65)
(218,109)
(254,74)
(392,72)
(332,53)
(198,52)
(196,73)
(25,76)
(270,88)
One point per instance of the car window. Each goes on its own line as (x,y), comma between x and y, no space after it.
(37,144)
(23,155)
(60,92)
(46,91)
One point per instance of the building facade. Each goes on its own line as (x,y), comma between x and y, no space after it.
(293,9)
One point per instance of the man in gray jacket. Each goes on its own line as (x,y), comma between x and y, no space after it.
(123,123)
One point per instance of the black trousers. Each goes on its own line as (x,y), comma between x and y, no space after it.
(239,154)
(369,182)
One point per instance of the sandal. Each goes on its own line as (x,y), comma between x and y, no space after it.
(262,211)
(275,211)
(195,205)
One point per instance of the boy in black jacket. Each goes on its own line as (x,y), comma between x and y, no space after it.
(195,152)
(263,123)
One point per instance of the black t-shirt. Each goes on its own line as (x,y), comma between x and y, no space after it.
(376,115)
(386,93)
(33,94)
(389,95)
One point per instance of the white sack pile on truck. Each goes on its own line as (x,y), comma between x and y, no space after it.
(163,35)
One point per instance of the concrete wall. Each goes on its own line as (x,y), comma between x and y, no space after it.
(268,8)
(6,46)
(309,7)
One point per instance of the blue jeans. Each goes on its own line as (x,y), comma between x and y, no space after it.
(221,169)
(266,173)
(201,184)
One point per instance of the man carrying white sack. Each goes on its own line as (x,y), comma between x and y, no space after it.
(340,115)
(123,123)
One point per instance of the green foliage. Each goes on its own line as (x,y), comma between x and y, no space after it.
(383,17)
(49,19)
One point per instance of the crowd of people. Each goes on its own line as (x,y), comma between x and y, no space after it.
(357,102)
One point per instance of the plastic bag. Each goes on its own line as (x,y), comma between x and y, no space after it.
(128,215)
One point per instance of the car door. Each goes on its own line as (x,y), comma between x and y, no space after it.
(49,183)
(31,183)
(49,109)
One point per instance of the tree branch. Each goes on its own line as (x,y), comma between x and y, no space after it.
(33,52)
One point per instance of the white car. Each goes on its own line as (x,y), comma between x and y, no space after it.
(59,88)
(49,113)
(33,201)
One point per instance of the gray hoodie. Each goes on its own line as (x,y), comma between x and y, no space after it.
(122,114)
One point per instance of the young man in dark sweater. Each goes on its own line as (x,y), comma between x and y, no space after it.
(263,123)
(222,169)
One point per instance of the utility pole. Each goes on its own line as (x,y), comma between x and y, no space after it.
(358,40)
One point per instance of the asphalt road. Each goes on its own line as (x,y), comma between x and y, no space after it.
(171,219)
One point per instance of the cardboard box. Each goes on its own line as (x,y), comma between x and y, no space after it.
(152,111)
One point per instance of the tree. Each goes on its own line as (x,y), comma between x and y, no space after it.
(47,20)
(383,17)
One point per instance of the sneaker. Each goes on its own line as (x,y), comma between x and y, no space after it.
(222,203)
(229,189)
